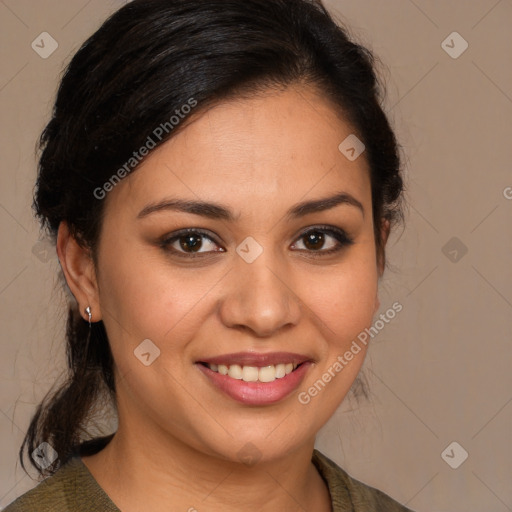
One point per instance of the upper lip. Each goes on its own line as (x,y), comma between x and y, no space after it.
(257,359)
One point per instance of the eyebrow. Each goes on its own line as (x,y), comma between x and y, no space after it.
(217,211)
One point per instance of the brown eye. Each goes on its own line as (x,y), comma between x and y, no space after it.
(193,242)
(315,240)
(188,243)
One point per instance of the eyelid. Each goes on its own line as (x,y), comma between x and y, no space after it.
(182,232)
(324,228)
(167,240)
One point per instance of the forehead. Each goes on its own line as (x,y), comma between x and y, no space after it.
(252,151)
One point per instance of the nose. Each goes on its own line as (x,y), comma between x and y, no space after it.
(259,297)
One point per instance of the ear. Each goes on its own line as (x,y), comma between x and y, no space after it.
(381,256)
(79,271)
(384,235)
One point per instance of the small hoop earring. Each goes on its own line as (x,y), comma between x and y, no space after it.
(88,311)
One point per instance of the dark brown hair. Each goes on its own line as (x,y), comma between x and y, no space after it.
(142,65)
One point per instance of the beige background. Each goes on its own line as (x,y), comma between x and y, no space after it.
(440,371)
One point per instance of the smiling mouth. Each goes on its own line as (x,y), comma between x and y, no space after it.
(267,373)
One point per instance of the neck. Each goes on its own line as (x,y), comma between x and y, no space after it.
(141,472)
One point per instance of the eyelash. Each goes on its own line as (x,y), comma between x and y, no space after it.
(342,238)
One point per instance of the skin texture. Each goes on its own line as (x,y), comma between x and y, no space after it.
(179,438)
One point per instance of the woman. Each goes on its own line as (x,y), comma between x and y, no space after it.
(220,181)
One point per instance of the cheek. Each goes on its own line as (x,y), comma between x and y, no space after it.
(346,300)
(142,297)
(344,309)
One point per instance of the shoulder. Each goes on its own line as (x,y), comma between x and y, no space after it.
(52,494)
(70,489)
(344,488)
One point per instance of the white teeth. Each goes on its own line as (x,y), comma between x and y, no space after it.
(253,373)
(235,371)
(280,371)
(267,374)
(250,373)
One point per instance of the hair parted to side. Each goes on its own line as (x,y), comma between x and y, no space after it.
(142,65)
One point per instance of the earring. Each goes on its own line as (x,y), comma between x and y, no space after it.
(86,364)
(88,311)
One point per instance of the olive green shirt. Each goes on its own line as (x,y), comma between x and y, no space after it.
(72,488)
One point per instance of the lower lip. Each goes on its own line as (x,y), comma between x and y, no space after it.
(257,393)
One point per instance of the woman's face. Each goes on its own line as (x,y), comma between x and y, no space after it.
(261,283)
